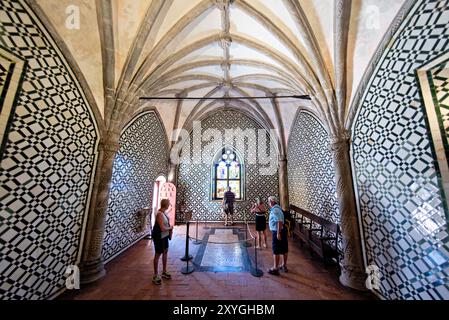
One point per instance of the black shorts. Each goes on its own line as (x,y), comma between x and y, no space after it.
(160,245)
(261,222)
(280,246)
(229,210)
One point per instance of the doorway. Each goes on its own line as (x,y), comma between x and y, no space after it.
(156,197)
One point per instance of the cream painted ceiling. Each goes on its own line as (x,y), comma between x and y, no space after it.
(206,48)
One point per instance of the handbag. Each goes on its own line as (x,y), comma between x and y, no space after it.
(156,232)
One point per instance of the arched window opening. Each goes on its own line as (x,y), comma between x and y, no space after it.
(227,172)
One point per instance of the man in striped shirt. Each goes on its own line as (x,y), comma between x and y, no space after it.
(228,205)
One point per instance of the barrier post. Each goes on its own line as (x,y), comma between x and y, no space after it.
(187,256)
(256,272)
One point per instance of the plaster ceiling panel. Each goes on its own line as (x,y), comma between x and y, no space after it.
(204,91)
(320,14)
(239,51)
(280,16)
(253,92)
(176,11)
(211,51)
(170,13)
(370,20)
(205,25)
(214,70)
(238,70)
(83,42)
(184,84)
(267,107)
(244,24)
(189,105)
(167,113)
(127,15)
(288,108)
(267,83)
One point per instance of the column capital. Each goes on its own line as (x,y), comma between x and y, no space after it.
(181,95)
(282,158)
(110,141)
(341,137)
(340,142)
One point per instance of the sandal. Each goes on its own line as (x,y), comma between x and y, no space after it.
(274,272)
(283,268)
(166,275)
(157,280)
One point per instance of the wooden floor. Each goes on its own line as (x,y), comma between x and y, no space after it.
(129,275)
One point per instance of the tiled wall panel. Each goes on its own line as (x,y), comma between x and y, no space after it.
(142,156)
(401,204)
(311,173)
(194,180)
(47,164)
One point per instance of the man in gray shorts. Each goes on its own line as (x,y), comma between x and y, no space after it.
(228,205)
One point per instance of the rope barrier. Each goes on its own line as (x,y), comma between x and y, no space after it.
(256,272)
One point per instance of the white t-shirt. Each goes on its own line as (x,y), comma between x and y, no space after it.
(166,224)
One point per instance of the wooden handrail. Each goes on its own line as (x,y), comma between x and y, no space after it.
(328,225)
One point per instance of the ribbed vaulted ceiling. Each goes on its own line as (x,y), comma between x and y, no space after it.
(218,48)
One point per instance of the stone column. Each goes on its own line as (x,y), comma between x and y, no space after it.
(283,184)
(92,267)
(352,270)
(172,175)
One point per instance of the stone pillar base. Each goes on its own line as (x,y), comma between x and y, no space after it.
(354,279)
(91,271)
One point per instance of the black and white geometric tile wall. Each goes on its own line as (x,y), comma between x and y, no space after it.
(194,180)
(311,173)
(47,164)
(142,156)
(402,210)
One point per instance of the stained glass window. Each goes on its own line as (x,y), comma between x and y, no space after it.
(227,173)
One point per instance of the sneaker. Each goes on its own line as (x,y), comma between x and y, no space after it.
(274,272)
(284,269)
(157,280)
(166,275)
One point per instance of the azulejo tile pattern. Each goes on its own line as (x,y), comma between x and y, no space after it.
(142,156)
(311,173)
(194,179)
(403,219)
(47,164)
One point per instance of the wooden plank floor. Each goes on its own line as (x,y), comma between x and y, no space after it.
(129,277)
